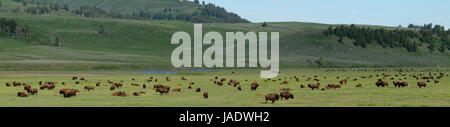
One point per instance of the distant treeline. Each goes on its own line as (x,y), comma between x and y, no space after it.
(205,13)
(10,27)
(435,36)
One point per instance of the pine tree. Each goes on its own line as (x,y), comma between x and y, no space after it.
(443,49)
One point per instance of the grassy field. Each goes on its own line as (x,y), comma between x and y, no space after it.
(349,95)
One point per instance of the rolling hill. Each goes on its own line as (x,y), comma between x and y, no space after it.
(145,44)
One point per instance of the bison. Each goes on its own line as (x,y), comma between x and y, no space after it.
(334,86)
(22,94)
(272,97)
(163,90)
(32,91)
(314,86)
(205,95)
(421,84)
(120,93)
(286,95)
(89,88)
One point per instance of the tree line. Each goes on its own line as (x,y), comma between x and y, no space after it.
(435,36)
(205,13)
(10,27)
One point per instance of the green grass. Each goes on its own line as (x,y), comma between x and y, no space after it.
(144,44)
(349,96)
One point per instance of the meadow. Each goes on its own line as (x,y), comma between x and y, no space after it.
(434,95)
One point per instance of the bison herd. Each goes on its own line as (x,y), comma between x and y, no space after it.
(381,80)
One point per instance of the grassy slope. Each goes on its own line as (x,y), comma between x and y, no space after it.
(146,44)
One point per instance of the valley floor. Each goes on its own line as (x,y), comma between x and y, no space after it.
(435,94)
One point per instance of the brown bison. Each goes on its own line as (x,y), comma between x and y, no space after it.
(69,93)
(343,82)
(8,85)
(302,86)
(400,84)
(205,95)
(112,87)
(359,85)
(74,78)
(138,93)
(89,88)
(32,91)
(26,87)
(51,87)
(97,84)
(286,95)
(163,90)
(421,84)
(239,88)
(120,93)
(333,86)
(176,90)
(314,86)
(198,90)
(45,86)
(119,85)
(382,84)
(22,94)
(272,97)
(16,84)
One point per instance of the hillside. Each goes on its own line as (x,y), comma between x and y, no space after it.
(135,9)
(145,44)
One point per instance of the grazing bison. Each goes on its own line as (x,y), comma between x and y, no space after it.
(119,85)
(421,84)
(239,88)
(22,94)
(120,93)
(112,87)
(163,90)
(157,86)
(400,84)
(144,86)
(285,83)
(286,95)
(314,86)
(272,97)
(302,86)
(381,83)
(8,85)
(205,95)
(198,90)
(343,82)
(176,90)
(74,78)
(359,85)
(16,84)
(45,86)
(334,86)
(69,93)
(32,91)
(190,87)
(89,88)
(26,87)
(51,87)
(97,84)
(138,93)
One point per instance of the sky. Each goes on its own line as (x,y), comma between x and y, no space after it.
(370,12)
